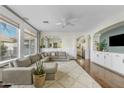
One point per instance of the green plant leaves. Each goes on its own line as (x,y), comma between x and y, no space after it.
(39,68)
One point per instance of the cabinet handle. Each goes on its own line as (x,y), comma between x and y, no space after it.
(104,56)
(117,55)
(97,55)
(123,61)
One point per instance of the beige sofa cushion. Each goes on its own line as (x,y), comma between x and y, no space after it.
(17,75)
(40,56)
(48,53)
(45,59)
(57,53)
(53,53)
(23,62)
(34,58)
(62,53)
(45,54)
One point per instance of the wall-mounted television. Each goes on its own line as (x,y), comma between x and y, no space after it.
(117,40)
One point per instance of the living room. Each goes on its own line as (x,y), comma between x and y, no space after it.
(68,45)
(27,40)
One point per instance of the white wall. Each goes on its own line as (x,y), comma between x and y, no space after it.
(22,26)
(68,40)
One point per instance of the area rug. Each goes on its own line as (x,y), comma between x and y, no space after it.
(69,75)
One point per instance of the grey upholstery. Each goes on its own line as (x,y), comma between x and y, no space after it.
(58,56)
(62,53)
(34,58)
(22,73)
(23,62)
(50,67)
(45,54)
(18,75)
(45,59)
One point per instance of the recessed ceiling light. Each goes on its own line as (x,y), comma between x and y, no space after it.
(45,21)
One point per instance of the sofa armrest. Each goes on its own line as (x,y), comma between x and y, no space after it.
(20,75)
(45,59)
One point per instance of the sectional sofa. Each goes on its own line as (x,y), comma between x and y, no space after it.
(22,69)
(57,55)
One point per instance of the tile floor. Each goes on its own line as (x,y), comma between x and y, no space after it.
(69,75)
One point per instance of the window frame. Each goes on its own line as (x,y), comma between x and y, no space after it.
(20,42)
(8,21)
(35,40)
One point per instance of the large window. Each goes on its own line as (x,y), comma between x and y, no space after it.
(32,46)
(29,42)
(8,41)
(11,40)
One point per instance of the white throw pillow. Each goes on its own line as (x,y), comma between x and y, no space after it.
(52,54)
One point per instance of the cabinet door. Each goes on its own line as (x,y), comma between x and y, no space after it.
(116,62)
(107,60)
(100,58)
(96,57)
(121,68)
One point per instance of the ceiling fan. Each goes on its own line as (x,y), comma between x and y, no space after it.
(67,21)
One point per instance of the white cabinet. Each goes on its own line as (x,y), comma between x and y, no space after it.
(122,65)
(118,63)
(107,60)
(96,55)
(113,61)
(116,60)
(99,58)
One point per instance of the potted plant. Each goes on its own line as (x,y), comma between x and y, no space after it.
(39,75)
(102,46)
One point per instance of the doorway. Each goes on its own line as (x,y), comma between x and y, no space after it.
(83,49)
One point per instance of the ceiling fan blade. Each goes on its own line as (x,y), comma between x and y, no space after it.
(58,23)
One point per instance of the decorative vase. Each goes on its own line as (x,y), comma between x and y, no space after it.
(39,80)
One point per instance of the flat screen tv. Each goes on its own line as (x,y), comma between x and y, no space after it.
(117,40)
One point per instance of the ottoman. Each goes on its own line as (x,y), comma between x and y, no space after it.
(50,69)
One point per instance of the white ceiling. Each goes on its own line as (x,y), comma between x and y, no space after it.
(89,17)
